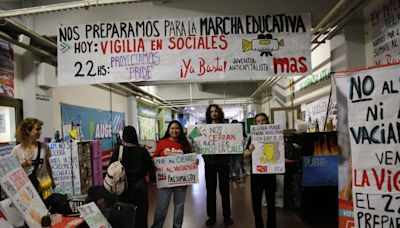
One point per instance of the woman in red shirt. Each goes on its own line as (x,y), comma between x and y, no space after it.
(173,143)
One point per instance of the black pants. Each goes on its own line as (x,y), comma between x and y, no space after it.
(259,184)
(211,172)
(136,194)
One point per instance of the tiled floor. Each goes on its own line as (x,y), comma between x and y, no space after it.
(196,215)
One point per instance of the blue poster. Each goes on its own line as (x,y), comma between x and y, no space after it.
(89,124)
(320,170)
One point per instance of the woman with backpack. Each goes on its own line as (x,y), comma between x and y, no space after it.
(173,143)
(137,163)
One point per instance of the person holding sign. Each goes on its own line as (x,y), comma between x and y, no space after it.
(261,183)
(137,163)
(173,143)
(34,155)
(217,165)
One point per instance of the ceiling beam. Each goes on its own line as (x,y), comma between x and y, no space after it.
(63,6)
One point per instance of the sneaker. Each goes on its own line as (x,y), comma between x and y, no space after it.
(228,221)
(210,221)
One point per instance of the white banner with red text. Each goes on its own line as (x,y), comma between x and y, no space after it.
(210,48)
(176,170)
(374,129)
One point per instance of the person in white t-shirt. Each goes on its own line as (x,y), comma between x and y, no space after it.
(27,134)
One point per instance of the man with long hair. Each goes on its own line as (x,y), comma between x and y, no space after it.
(217,165)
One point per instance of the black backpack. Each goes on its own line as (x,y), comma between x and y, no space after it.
(58,203)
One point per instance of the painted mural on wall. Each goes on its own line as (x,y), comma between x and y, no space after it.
(206,48)
(320,112)
(385,22)
(6,69)
(83,123)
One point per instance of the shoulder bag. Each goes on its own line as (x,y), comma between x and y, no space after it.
(33,176)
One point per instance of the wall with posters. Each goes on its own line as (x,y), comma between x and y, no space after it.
(92,124)
(94,98)
(6,69)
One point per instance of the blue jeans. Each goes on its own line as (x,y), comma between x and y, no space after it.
(236,165)
(163,197)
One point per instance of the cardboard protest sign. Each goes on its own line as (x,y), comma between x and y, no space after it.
(65,167)
(216,138)
(177,170)
(16,184)
(93,216)
(374,129)
(268,155)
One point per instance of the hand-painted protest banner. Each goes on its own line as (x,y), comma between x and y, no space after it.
(385,23)
(177,170)
(268,155)
(209,48)
(216,138)
(374,129)
(64,164)
(93,216)
(91,124)
(16,184)
(345,172)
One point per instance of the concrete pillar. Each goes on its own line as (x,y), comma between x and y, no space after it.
(132,112)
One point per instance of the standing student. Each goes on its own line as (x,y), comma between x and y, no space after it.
(261,183)
(173,143)
(217,165)
(137,163)
(28,134)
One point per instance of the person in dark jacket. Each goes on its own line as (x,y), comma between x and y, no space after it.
(262,183)
(217,165)
(137,163)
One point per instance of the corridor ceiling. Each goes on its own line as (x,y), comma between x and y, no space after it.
(328,17)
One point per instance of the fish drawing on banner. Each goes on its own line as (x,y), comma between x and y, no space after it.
(264,44)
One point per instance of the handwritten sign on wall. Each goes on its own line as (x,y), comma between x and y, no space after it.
(208,48)
(216,138)
(374,129)
(385,25)
(16,184)
(178,170)
(269,153)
